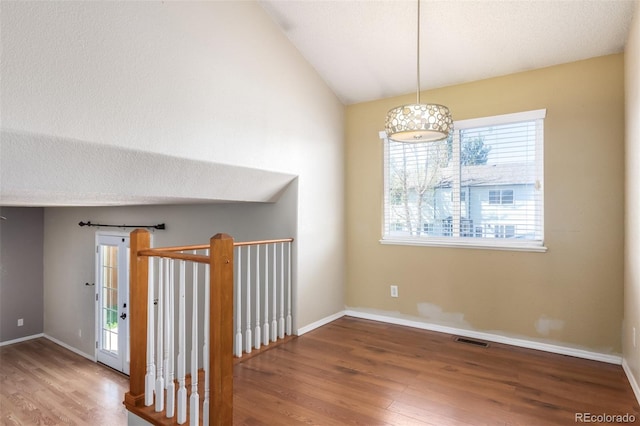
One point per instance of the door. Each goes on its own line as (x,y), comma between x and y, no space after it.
(112,298)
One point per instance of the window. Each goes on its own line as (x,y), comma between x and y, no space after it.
(501,196)
(482,187)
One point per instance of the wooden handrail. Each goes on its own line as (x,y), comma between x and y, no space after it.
(206,246)
(255,243)
(182,248)
(181,256)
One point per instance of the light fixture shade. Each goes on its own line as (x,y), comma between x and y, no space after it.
(418,123)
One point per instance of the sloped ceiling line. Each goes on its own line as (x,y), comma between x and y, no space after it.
(65,172)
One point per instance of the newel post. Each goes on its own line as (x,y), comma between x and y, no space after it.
(138,299)
(221,330)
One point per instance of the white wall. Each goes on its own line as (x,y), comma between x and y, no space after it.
(214,81)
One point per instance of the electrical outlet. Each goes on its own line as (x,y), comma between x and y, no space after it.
(80,332)
(20,322)
(394,291)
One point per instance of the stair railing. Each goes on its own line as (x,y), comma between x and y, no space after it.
(254,279)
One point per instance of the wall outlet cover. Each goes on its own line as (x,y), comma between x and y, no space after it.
(394,291)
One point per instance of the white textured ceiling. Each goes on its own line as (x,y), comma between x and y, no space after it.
(65,172)
(366,49)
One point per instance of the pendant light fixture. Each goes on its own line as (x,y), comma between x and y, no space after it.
(414,123)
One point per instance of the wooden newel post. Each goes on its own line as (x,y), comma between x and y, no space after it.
(221,331)
(138,300)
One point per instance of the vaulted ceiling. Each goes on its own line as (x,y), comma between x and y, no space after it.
(366,50)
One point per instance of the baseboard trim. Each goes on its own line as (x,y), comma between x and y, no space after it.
(632,380)
(21,339)
(320,323)
(523,343)
(71,348)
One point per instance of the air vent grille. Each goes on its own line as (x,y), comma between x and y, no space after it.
(473,342)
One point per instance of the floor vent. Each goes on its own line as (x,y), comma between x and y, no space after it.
(471,342)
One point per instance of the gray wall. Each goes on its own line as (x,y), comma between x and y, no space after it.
(21,272)
(69,250)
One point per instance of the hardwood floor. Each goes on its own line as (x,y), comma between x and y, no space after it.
(349,372)
(42,383)
(358,372)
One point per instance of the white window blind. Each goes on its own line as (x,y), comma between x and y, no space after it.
(481,187)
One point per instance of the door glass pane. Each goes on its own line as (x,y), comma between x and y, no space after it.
(110,298)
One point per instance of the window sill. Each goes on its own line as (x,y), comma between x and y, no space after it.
(470,244)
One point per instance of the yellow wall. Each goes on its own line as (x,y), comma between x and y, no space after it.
(632,222)
(573,293)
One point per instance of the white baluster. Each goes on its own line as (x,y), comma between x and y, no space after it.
(170,384)
(248,341)
(205,346)
(257,337)
(150,377)
(265,326)
(238,288)
(289,302)
(194,399)
(182,390)
(274,301)
(281,319)
(160,350)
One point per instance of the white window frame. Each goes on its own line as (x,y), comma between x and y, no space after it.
(485,243)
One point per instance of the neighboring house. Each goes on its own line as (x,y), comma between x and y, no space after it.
(495,201)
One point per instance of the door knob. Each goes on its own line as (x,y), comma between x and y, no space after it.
(123,316)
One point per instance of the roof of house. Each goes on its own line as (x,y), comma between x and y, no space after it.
(491,174)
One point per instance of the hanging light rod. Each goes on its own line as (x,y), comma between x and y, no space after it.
(415,123)
(158,226)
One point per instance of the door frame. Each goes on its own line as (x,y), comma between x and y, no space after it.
(97,316)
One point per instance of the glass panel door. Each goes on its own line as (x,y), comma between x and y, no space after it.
(112,267)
